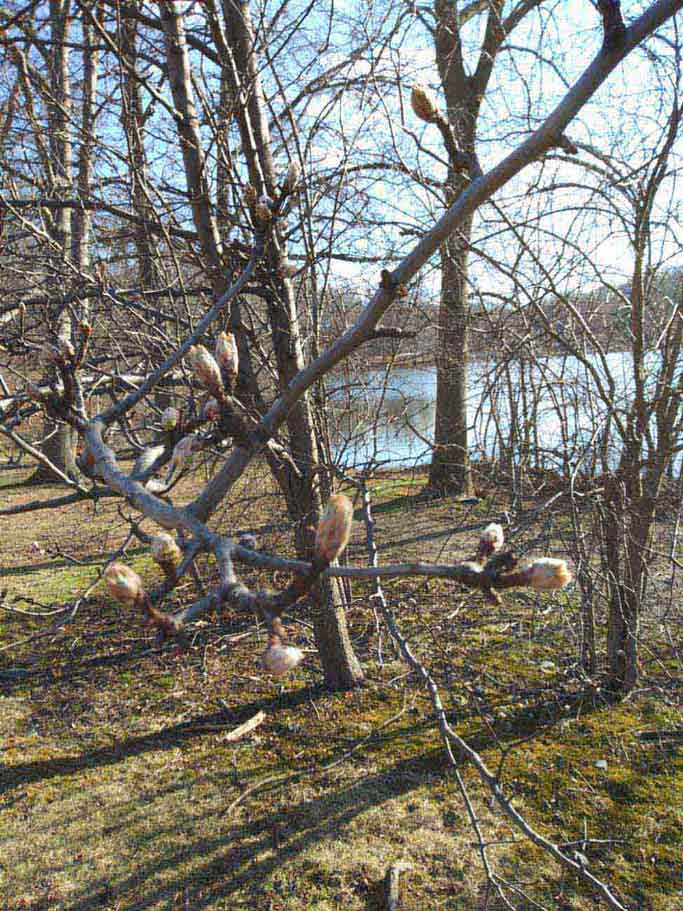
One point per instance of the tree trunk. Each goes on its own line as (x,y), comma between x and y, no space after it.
(449,472)
(628,531)
(60,448)
(341,668)
(132,120)
(82,218)
(622,640)
(301,488)
(450,468)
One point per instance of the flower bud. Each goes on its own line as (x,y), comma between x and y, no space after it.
(548,573)
(165,551)
(207,370)
(182,453)
(423,104)
(226,353)
(211,410)
(279,659)
(66,349)
(292,176)
(492,539)
(124,583)
(494,534)
(169,418)
(334,528)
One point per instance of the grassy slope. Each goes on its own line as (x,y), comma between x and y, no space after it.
(118,789)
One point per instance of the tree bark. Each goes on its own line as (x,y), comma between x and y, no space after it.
(82,218)
(60,447)
(301,487)
(449,472)
(132,120)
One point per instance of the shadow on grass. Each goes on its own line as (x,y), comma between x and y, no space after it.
(524,724)
(64,563)
(211,870)
(24,773)
(246,854)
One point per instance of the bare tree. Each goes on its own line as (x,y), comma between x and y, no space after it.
(234,412)
(603,360)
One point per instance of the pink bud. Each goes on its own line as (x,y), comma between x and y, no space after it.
(492,539)
(66,349)
(165,550)
(547,574)
(292,176)
(226,353)
(423,104)
(493,533)
(279,659)
(334,528)
(124,583)
(211,410)
(183,450)
(287,269)
(206,368)
(262,211)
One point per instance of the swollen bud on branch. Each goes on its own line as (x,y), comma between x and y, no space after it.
(207,370)
(292,177)
(287,269)
(226,354)
(491,541)
(279,659)
(165,551)
(169,418)
(66,349)
(547,574)
(211,410)
(124,583)
(334,528)
(182,453)
(493,535)
(423,104)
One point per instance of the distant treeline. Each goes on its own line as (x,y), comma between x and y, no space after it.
(599,316)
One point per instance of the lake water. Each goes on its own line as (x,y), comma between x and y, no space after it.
(553,409)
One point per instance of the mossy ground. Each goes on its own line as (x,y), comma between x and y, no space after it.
(119,790)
